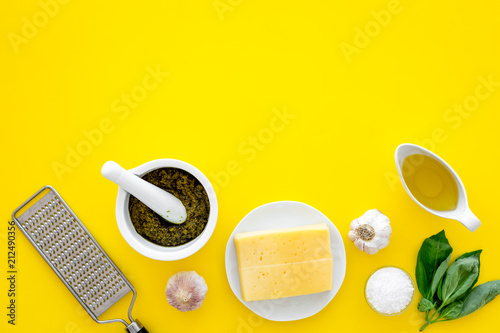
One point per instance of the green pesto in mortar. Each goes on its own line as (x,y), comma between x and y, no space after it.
(189,191)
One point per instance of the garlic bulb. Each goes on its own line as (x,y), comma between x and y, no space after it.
(370,232)
(186,291)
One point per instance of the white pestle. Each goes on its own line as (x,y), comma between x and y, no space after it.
(161,202)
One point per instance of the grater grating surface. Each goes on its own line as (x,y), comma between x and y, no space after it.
(74,255)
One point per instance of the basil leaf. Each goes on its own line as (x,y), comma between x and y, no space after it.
(459,278)
(439,291)
(432,253)
(479,296)
(469,254)
(438,275)
(452,311)
(425,305)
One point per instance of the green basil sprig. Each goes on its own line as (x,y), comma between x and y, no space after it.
(449,292)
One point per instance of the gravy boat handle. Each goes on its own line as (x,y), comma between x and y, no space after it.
(469,220)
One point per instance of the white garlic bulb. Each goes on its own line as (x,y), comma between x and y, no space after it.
(370,232)
(186,291)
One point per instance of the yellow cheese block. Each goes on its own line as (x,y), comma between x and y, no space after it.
(284,262)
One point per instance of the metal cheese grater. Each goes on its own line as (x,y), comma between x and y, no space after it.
(75,256)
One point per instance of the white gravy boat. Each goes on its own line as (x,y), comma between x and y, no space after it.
(462,212)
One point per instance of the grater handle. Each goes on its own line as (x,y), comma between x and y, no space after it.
(136,327)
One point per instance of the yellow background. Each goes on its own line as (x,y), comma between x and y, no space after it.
(226,76)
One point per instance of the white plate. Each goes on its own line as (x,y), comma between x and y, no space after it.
(285,214)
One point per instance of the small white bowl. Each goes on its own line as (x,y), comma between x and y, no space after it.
(396,313)
(152,250)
